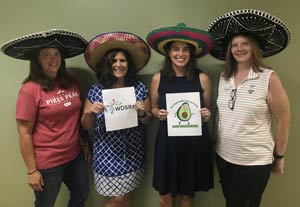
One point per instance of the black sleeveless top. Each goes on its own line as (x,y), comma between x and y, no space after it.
(182,164)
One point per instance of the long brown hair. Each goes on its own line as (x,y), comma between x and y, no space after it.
(192,70)
(256,58)
(36,74)
(104,72)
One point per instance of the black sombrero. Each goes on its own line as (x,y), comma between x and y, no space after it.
(70,43)
(270,32)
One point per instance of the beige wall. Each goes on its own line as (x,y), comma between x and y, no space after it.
(91,17)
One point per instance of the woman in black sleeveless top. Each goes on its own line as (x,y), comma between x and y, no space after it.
(182,164)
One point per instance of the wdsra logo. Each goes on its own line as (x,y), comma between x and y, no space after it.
(115,105)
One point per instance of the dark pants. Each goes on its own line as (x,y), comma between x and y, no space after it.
(75,176)
(243,186)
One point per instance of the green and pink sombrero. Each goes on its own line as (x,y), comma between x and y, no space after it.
(200,39)
(103,43)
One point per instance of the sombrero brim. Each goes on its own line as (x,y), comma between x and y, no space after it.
(270,32)
(200,39)
(70,43)
(101,44)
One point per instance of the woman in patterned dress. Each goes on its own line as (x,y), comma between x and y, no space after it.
(118,156)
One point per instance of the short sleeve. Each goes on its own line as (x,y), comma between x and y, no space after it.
(95,94)
(26,106)
(141,90)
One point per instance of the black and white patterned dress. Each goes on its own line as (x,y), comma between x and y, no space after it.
(118,156)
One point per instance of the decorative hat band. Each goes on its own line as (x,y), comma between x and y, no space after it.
(103,43)
(269,31)
(71,43)
(121,37)
(201,40)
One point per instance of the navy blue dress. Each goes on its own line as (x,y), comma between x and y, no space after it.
(183,164)
(118,156)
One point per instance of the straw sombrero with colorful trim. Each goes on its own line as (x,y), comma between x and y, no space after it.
(200,39)
(70,43)
(103,43)
(270,32)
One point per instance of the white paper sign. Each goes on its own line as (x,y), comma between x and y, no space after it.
(184,118)
(119,113)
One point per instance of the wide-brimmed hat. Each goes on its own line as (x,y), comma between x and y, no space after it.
(270,32)
(70,43)
(200,39)
(103,43)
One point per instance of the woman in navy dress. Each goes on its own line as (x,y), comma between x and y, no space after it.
(118,156)
(182,164)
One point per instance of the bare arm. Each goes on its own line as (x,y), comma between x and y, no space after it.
(26,146)
(206,86)
(89,112)
(25,129)
(154,94)
(144,110)
(155,110)
(85,143)
(279,104)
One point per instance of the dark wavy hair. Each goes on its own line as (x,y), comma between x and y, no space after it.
(256,59)
(167,70)
(104,72)
(36,74)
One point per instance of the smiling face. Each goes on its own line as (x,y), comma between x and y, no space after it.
(179,54)
(120,65)
(50,60)
(241,49)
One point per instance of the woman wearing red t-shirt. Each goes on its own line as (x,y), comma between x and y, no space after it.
(47,114)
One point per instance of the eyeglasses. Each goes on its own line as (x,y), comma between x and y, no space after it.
(232,99)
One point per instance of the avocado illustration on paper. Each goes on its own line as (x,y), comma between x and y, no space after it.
(184,112)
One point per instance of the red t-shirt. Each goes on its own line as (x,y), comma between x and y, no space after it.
(56,116)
